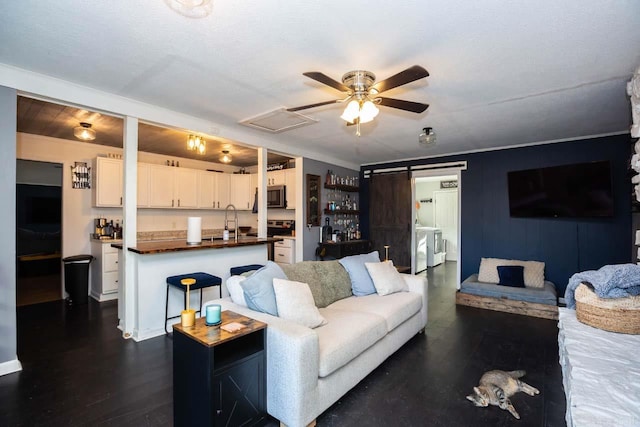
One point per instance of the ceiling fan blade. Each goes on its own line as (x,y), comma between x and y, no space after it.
(324,79)
(355,122)
(402,78)
(317,104)
(414,107)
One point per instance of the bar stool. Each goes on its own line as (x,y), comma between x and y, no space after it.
(202,280)
(236,271)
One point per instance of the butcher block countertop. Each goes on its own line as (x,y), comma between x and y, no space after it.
(156,247)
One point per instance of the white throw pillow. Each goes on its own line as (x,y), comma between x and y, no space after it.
(295,302)
(533,271)
(386,278)
(235,290)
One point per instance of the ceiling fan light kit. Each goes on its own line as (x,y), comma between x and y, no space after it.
(84,132)
(362,93)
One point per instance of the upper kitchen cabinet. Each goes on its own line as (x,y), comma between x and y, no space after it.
(290,182)
(223,190)
(276,177)
(161,186)
(143,185)
(206,189)
(107,182)
(241,194)
(185,187)
(171,187)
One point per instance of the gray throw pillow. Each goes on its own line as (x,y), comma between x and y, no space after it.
(258,288)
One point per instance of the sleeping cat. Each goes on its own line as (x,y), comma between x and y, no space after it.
(497,386)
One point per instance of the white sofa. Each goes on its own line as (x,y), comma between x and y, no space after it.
(310,369)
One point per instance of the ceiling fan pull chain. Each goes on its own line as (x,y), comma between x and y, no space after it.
(358,128)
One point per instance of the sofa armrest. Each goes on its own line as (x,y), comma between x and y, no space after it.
(292,359)
(419,285)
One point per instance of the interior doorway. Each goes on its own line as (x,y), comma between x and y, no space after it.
(38,232)
(436,231)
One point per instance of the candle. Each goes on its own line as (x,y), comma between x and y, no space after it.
(213,314)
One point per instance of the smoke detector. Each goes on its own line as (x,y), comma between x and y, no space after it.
(427,136)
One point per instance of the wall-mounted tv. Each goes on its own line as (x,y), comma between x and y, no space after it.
(580,190)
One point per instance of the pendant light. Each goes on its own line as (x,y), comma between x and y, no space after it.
(84,132)
(196,143)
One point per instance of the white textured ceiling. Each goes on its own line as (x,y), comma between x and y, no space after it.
(502,73)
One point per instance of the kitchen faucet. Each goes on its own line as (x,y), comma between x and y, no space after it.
(234,220)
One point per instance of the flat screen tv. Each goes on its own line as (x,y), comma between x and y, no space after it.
(580,190)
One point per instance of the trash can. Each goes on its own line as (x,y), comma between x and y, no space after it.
(76,278)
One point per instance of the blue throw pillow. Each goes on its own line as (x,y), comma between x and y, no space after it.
(258,288)
(511,275)
(361,283)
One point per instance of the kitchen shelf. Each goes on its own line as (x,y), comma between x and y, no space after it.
(341,187)
(341,212)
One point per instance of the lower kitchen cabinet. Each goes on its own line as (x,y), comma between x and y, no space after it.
(104,270)
(219,378)
(284,252)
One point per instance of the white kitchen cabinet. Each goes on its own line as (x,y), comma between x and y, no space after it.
(107,182)
(161,186)
(104,271)
(290,182)
(241,196)
(284,252)
(206,189)
(222,195)
(275,177)
(185,188)
(143,185)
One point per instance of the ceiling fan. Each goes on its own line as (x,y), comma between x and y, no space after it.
(362,93)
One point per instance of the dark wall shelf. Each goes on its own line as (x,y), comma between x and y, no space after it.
(348,188)
(341,212)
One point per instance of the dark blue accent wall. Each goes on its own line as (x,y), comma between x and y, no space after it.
(566,246)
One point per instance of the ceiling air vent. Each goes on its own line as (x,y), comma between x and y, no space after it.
(279,120)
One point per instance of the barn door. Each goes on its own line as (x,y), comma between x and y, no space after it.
(390,216)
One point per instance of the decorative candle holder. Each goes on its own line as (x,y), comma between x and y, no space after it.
(213,315)
(187,316)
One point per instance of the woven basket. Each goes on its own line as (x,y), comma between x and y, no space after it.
(616,315)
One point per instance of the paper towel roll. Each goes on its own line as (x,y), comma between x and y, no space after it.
(194,229)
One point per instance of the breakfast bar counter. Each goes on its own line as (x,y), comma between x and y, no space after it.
(156,247)
(149,263)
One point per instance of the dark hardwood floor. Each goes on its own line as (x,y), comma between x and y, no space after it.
(78,371)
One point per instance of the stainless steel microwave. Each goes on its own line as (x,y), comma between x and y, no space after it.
(276,196)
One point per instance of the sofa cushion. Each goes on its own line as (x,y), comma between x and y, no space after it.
(258,288)
(394,308)
(361,283)
(235,290)
(385,277)
(295,303)
(338,344)
(546,295)
(511,275)
(328,280)
(533,271)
